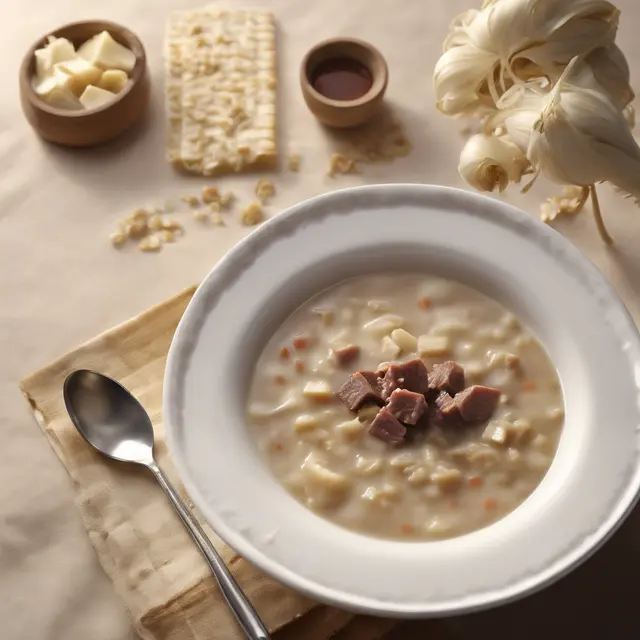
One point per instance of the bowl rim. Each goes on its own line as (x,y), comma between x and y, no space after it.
(28,61)
(378,86)
(568,559)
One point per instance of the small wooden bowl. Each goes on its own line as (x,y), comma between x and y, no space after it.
(84,128)
(344,113)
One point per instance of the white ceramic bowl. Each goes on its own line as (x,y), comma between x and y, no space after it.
(594,479)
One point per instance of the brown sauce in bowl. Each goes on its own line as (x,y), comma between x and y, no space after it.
(342,79)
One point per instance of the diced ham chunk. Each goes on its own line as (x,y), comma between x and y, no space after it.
(357,391)
(448,376)
(411,376)
(346,355)
(406,406)
(387,427)
(477,403)
(445,411)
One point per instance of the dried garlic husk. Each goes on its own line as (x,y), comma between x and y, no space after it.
(611,71)
(488,161)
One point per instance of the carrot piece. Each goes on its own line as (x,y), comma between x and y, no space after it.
(529,385)
(407,529)
(301,342)
(490,504)
(277,446)
(285,353)
(299,366)
(424,302)
(475,481)
(280,380)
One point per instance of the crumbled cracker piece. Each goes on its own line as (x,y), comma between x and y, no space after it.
(217,219)
(214,207)
(226,199)
(265,189)
(166,235)
(293,162)
(155,222)
(570,202)
(201,215)
(192,201)
(210,195)
(118,238)
(341,164)
(150,243)
(252,214)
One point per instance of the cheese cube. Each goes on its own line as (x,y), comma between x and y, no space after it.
(58,50)
(55,95)
(104,52)
(76,74)
(94,97)
(113,80)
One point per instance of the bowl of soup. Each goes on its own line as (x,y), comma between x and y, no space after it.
(407,400)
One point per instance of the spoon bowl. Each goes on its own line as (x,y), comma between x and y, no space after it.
(108,417)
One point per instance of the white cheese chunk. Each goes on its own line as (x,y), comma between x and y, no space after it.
(58,50)
(76,74)
(93,97)
(113,80)
(57,96)
(104,52)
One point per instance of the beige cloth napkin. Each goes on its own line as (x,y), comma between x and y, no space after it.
(154,565)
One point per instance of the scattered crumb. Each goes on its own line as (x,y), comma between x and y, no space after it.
(226,199)
(118,238)
(171,224)
(192,201)
(150,243)
(293,162)
(217,219)
(201,215)
(214,207)
(252,214)
(570,202)
(341,164)
(166,235)
(265,189)
(155,222)
(210,195)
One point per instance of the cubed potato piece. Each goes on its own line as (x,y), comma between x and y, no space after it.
(384,325)
(477,455)
(419,476)
(323,487)
(366,466)
(351,429)
(450,321)
(447,478)
(495,432)
(439,526)
(368,413)
(381,496)
(503,359)
(537,460)
(407,342)
(77,74)
(318,391)
(390,349)
(379,306)
(113,80)
(404,460)
(326,314)
(305,423)
(104,52)
(93,97)
(433,346)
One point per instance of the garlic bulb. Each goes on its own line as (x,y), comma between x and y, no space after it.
(581,137)
(510,41)
(488,161)
(610,69)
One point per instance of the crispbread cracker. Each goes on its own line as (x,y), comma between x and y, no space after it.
(221,90)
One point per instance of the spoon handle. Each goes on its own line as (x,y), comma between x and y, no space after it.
(242,609)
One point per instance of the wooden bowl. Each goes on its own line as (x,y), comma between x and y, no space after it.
(344,113)
(84,128)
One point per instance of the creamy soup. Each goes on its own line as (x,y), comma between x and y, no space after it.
(441,479)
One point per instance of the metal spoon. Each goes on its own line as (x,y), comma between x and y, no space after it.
(115,423)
